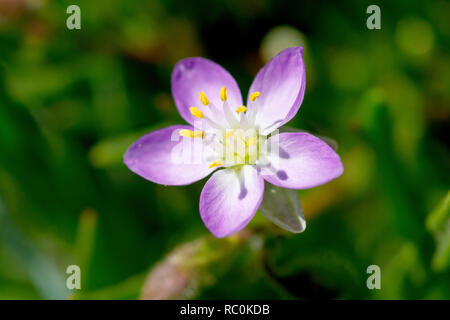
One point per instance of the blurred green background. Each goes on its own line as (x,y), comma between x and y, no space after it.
(71,102)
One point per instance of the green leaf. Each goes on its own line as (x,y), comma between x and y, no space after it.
(45,275)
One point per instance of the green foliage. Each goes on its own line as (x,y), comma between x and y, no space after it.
(438,223)
(71,102)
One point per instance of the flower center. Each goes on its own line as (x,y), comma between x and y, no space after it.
(240,147)
(231,135)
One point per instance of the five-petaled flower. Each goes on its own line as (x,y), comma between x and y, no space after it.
(234,139)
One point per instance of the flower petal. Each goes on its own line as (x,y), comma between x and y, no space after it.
(164,157)
(230,199)
(193,75)
(281,83)
(331,142)
(303,161)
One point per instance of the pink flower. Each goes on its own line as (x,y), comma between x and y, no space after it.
(239,143)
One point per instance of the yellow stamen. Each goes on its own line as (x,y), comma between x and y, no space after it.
(216,163)
(186,133)
(199,134)
(251,141)
(241,109)
(203,98)
(255,95)
(196,113)
(223,94)
(228,134)
(192,134)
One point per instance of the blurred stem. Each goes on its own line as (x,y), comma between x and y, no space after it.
(438,223)
(85,239)
(191,266)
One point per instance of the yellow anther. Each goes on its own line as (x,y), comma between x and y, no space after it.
(196,113)
(241,109)
(199,134)
(251,141)
(216,163)
(228,134)
(255,95)
(223,94)
(192,134)
(186,133)
(203,98)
